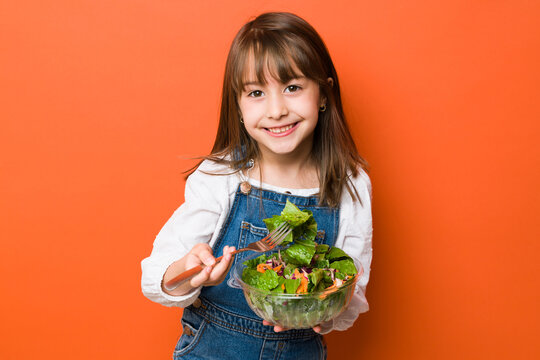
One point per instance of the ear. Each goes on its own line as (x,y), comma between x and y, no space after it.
(330,82)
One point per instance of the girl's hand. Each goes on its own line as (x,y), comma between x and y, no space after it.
(278,328)
(212,274)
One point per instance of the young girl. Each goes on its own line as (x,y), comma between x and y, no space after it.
(282,135)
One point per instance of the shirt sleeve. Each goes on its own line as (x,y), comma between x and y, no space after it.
(355,234)
(193,222)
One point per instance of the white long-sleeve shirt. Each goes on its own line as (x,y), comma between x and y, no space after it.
(199,219)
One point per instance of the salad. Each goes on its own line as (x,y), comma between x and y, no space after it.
(303,285)
(305,266)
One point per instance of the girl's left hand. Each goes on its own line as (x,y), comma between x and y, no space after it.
(278,328)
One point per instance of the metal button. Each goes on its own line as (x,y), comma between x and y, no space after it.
(245,187)
(197,303)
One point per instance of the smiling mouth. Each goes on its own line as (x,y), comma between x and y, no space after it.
(280,130)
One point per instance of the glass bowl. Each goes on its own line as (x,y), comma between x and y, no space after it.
(295,311)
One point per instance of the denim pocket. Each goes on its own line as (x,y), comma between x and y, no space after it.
(190,337)
(248,234)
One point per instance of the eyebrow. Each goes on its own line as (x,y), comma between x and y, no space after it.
(258,83)
(251,83)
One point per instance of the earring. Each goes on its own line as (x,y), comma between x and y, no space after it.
(322,108)
(241,120)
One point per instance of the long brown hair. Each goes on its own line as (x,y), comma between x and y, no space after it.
(281,43)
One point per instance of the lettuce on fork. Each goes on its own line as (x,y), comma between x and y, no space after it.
(301,221)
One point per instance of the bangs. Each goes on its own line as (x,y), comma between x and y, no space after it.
(282,57)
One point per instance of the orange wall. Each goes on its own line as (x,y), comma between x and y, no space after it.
(102,102)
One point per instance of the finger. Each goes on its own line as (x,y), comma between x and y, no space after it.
(207,258)
(201,277)
(317,329)
(278,328)
(231,250)
(203,253)
(231,256)
(227,255)
(223,266)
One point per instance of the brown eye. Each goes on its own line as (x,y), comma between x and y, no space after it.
(256,93)
(292,88)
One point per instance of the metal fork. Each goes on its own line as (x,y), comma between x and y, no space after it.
(269,242)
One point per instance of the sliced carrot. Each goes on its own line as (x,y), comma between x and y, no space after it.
(262,267)
(277,268)
(328,290)
(303,285)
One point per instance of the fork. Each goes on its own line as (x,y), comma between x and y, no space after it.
(269,242)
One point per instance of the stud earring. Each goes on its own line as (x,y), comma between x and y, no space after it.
(322,108)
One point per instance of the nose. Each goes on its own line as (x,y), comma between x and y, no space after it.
(276,107)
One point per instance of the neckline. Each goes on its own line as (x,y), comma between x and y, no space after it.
(292,191)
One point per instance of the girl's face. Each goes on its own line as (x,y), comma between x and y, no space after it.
(280,117)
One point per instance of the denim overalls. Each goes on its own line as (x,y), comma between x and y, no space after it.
(220,324)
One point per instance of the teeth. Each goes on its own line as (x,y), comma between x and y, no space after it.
(280,130)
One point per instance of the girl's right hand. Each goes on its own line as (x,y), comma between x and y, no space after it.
(212,274)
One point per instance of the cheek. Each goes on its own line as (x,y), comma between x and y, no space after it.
(248,110)
(309,111)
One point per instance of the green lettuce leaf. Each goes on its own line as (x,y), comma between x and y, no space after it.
(321,249)
(265,281)
(251,277)
(344,266)
(291,285)
(302,222)
(316,276)
(293,215)
(254,262)
(300,254)
(278,288)
(324,264)
(336,254)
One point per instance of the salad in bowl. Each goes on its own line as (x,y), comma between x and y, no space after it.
(302,283)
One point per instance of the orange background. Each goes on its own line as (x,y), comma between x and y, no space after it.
(103,102)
